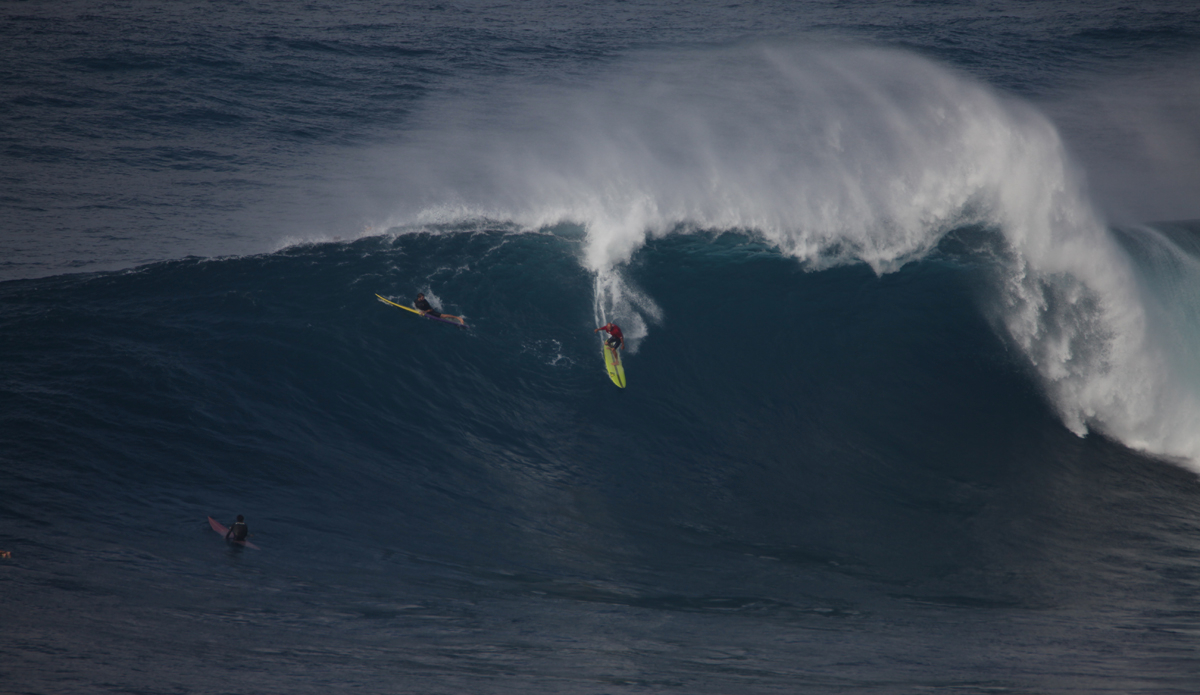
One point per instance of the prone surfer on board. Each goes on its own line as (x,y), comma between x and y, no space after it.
(616,339)
(238,530)
(423,305)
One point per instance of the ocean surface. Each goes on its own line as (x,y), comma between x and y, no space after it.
(911,293)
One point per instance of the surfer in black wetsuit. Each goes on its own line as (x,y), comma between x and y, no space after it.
(423,305)
(239,530)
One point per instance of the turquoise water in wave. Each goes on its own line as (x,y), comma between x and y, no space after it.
(912,401)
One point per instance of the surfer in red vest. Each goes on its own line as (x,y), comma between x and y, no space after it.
(616,339)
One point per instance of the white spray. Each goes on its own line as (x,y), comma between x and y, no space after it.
(834,155)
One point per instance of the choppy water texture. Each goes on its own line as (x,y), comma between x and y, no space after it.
(909,293)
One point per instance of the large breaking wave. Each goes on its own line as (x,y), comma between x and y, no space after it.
(833,155)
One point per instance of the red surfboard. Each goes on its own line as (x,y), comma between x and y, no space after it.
(220,528)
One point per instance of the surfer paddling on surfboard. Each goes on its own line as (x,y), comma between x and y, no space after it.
(424,306)
(238,531)
(616,339)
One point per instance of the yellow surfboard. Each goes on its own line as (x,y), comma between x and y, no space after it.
(616,371)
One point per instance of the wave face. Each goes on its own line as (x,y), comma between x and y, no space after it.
(795,451)
(806,410)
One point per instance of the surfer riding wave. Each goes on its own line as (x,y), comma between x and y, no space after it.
(616,339)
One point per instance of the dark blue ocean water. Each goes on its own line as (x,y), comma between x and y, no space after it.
(910,292)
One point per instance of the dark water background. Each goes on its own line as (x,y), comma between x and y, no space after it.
(818,480)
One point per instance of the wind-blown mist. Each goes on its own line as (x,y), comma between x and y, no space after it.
(833,155)
(1138,136)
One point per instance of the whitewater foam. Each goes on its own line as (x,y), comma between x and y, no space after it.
(833,155)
